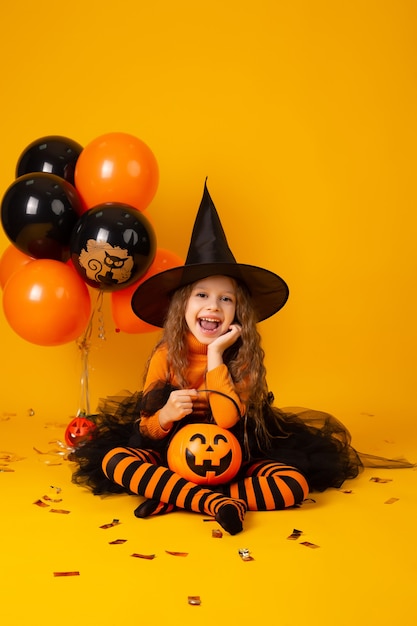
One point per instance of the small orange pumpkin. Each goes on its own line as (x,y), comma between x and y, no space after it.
(205,454)
(78,431)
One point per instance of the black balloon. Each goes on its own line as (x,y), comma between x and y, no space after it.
(38,213)
(112,246)
(51,155)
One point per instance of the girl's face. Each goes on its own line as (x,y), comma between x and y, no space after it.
(211,308)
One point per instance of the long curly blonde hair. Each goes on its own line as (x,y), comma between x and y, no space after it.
(244,359)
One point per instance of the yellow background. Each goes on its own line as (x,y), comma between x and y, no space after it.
(303,116)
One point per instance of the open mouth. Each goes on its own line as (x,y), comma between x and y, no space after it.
(209,324)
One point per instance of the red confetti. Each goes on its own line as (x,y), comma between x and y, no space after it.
(48,499)
(115,522)
(41,504)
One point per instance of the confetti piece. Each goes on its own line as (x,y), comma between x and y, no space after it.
(346,490)
(309,545)
(66,573)
(176,553)
(61,511)
(216,533)
(41,504)
(115,522)
(149,557)
(391,500)
(209,519)
(52,452)
(296,534)
(194,600)
(10,457)
(117,542)
(245,555)
(57,489)
(376,479)
(6,416)
(48,499)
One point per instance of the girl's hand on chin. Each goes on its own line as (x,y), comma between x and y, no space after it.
(226,340)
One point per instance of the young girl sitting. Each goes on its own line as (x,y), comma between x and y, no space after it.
(209,367)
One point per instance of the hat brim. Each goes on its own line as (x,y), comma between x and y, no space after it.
(151,300)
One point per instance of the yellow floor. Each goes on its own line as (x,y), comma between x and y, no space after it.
(364,570)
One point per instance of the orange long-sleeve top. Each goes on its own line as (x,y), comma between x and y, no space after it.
(226,409)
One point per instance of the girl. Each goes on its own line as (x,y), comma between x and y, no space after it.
(209,366)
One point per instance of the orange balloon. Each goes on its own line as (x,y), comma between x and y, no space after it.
(121,307)
(122,313)
(12,260)
(47,303)
(116,167)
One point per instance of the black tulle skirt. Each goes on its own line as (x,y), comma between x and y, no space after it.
(314,442)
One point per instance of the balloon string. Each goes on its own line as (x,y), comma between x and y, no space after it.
(84,343)
(84,409)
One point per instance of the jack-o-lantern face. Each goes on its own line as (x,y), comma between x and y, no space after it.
(78,431)
(205,454)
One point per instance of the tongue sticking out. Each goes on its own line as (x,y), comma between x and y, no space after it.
(208,325)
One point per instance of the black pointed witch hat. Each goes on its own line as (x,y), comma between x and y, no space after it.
(208,255)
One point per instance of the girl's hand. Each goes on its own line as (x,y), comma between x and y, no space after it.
(180,404)
(224,341)
(218,346)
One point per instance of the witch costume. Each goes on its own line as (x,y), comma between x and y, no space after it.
(309,450)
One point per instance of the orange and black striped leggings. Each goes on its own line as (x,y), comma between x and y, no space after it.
(266,486)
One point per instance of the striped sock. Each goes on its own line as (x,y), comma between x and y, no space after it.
(153,507)
(230,514)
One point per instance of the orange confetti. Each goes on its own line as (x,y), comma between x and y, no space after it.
(308,544)
(149,557)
